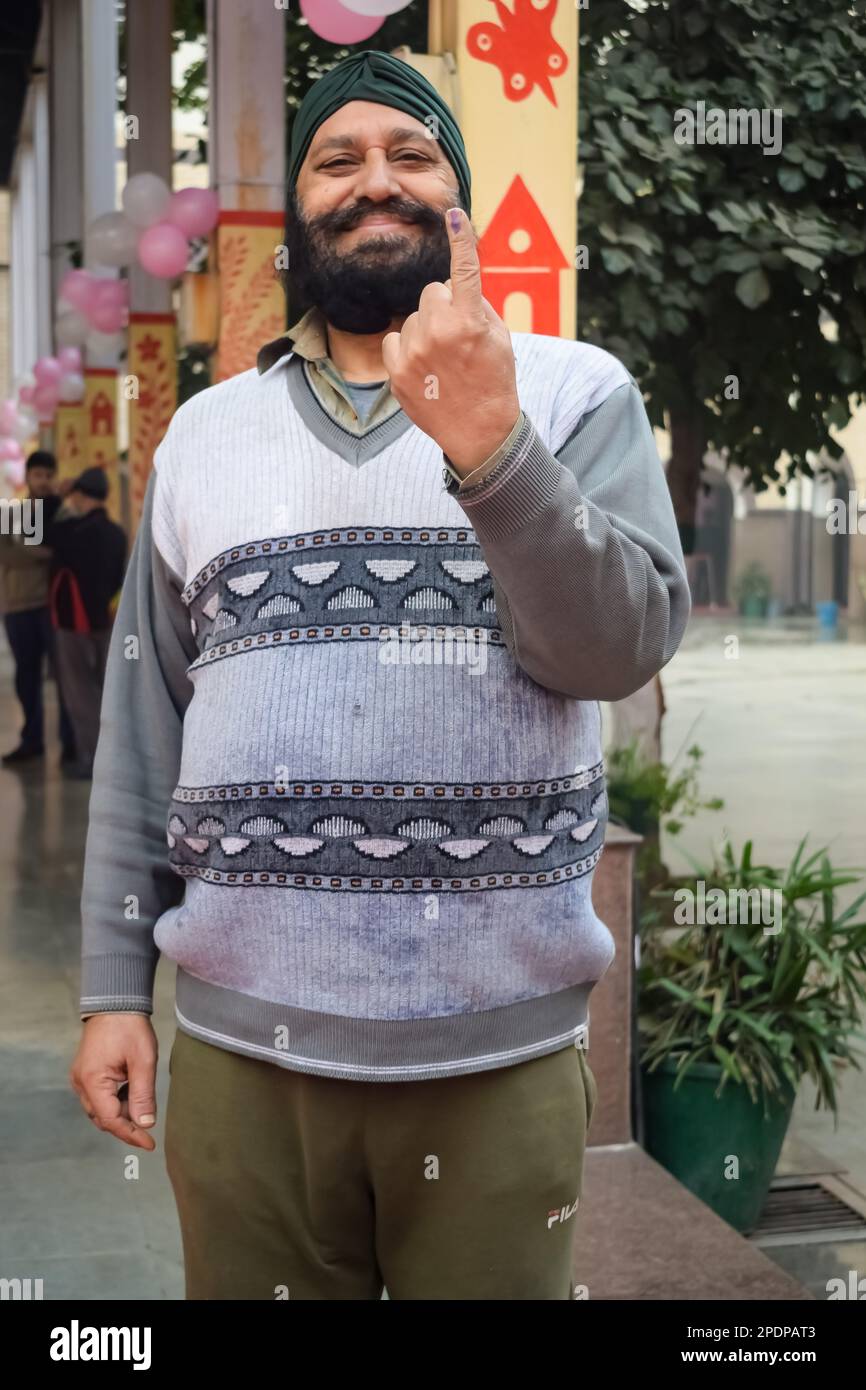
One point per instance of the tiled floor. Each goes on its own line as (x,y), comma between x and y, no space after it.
(71,1213)
(784,729)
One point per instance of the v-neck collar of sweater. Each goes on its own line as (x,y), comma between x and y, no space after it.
(319,393)
(354,448)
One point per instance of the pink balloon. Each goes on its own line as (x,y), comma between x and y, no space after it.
(15,471)
(332,21)
(75,288)
(111,291)
(108,310)
(10,449)
(108,318)
(163,251)
(194,210)
(8,416)
(25,394)
(47,371)
(45,401)
(70,360)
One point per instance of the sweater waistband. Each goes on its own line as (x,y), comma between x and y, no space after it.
(373,1049)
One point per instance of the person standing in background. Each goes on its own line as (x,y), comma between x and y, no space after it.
(89,558)
(24,580)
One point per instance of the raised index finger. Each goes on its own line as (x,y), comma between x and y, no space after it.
(465,265)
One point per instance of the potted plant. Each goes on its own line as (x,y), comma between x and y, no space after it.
(732,1014)
(752,590)
(649,797)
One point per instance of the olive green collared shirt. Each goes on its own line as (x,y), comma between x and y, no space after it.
(308,338)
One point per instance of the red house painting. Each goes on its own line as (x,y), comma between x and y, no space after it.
(520,255)
(101,415)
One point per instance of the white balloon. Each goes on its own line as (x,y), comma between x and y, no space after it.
(112,239)
(25,425)
(375,7)
(71,329)
(105,344)
(72,387)
(13,471)
(145,199)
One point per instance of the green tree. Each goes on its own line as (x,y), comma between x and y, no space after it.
(307,56)
(716,261)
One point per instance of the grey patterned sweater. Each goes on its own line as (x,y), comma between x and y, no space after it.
(349,775)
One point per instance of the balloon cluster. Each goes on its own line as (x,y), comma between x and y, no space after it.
(155,227)
(348,21)
(53,379)
(153,230)
(92,309)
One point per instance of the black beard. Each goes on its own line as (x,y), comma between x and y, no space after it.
(362,290)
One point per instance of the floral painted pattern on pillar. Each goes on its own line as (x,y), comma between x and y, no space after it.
(252,302)
(152,378)
(100,413)
(70,440)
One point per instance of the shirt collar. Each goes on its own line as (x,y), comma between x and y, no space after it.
(308,338)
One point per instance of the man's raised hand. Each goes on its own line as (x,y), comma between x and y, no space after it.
(451,365)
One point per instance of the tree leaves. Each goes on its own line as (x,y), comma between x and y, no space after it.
(760,249)
(753,288)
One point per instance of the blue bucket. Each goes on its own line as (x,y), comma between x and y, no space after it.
(828,613)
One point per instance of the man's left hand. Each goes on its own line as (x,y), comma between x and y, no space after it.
(452,364)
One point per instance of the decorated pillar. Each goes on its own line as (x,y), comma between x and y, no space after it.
(246,47)
(100,430)
(516,100)
(99,81)
(70,440)
(67,152)
(151,374)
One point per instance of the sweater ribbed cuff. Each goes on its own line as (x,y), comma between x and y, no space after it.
(117,983)
(519,488)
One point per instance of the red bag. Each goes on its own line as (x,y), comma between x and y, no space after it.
(80,620)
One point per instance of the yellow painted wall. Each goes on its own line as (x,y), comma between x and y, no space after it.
(516,101)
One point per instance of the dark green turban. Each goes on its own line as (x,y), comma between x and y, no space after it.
(379,77)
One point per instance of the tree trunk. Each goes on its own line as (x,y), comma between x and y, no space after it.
(688,446)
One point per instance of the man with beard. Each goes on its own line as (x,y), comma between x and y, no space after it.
(386,942)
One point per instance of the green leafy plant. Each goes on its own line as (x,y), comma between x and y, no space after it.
(650,796)
(753,582)
(766,1007)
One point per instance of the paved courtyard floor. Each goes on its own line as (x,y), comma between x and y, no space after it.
(784,732)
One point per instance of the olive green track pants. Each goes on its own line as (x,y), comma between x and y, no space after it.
(291,1185)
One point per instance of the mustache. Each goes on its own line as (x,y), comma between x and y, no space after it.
(345,219)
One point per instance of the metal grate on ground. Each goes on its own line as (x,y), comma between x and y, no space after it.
(799,1212)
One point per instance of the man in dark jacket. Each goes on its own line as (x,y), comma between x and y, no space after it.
(89,557)
(24,580)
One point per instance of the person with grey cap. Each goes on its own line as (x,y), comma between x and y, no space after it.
(88,562)
(354,778)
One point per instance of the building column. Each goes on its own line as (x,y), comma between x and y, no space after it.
(246,65)
(67,216)
(152,362)
(31,280)
(519,122)
(99,86)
